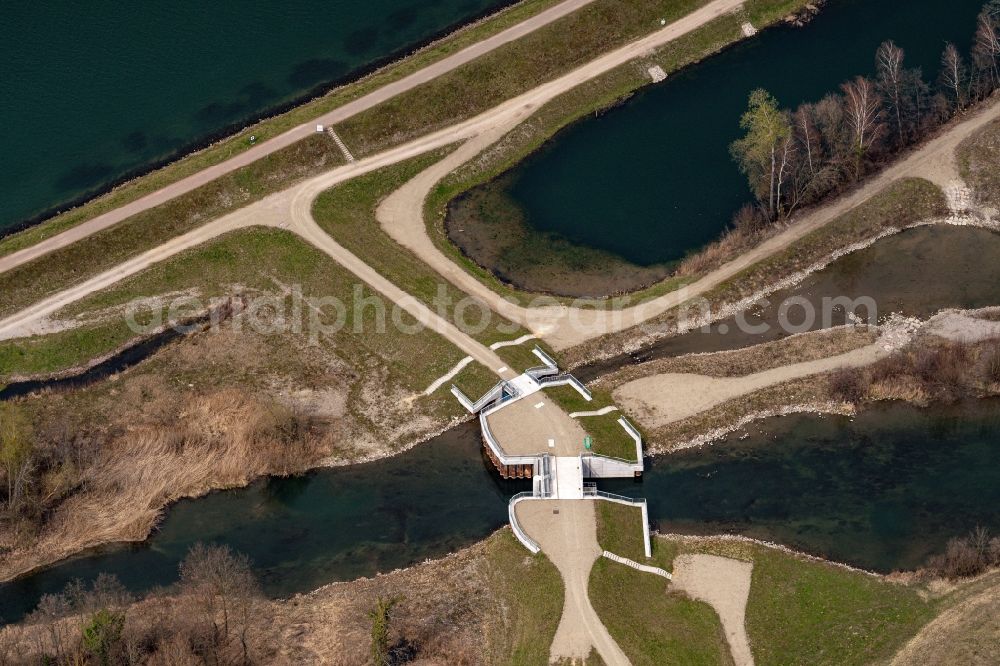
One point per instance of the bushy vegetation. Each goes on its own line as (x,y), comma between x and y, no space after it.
(211,616)
(966,556)
(923,372)
(797,158)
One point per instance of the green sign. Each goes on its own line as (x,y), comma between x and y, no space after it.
(587,441)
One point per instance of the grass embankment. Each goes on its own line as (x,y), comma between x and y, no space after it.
(800,611)
(263,262)
(652,624)
(219,409)
(542,262)
(902,203)
(275,125)
(529,595)
(620,530)
(977,162)
(609,437)
(810,612)
(63,268)
(510,70)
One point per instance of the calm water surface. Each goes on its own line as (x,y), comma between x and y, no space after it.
(653,179)
(304,532)
(883,491)
(91,91)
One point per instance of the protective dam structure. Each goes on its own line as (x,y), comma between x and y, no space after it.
(528,436)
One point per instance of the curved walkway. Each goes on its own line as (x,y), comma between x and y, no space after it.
(292,207)
(566,531)
(661,399)
(401,215)
(293,135)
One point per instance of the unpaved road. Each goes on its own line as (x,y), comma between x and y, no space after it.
(401,215)
(292,208)
(661,399)
(724,584)
(291,136)
(569,539)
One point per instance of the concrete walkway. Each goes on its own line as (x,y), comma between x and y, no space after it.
(566,530)
(293,135)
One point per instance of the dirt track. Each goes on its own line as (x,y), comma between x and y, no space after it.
(401,215)
(569,539)
(661,399)
(292,208)
(291,136)
(724,584)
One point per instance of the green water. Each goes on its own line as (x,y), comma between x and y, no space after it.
(653,179)
(304,532)
(881,491)
(91,91)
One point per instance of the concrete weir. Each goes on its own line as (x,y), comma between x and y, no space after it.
(527,435)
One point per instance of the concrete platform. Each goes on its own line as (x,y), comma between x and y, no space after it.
(569,478)
(566,531)
(529,425)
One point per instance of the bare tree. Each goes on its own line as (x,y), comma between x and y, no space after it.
(986,52)
(954,76)
(16,453)
(224,588)
(863,113)
(808,137)
(889,65)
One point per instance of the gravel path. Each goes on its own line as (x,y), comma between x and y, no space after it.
(566,531)
(293,135)
(724,584)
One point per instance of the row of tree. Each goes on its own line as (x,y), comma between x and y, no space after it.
(208,617)
(795,158)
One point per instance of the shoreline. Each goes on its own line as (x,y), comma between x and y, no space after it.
(711,436)
(236,128)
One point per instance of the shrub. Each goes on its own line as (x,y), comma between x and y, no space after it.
(849,384)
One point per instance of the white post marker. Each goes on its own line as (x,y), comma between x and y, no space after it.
(319,129)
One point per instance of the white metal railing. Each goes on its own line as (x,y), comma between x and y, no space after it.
(521,535)
(497,450)
(590,491)
(546,359)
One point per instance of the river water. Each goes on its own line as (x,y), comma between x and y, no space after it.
(653,179)
(882,491)
(92,91)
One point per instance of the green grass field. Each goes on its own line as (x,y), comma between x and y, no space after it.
(531,591)
(262,261)
(609,438)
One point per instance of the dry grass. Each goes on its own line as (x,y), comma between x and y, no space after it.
(490,603)
(928,370)
(212,411)
(758,358)
(807,392)
(222,440)
(977,162)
